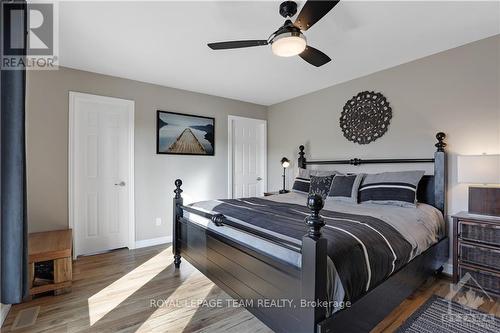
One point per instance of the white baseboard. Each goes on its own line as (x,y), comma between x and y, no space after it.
(152,241)
(4,309)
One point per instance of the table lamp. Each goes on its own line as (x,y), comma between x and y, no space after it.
(285,163)
(485,170)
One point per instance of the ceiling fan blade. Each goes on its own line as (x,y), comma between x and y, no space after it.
(237,44)
(314,56)
(312,12)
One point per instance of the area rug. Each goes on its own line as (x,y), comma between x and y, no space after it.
(439,315)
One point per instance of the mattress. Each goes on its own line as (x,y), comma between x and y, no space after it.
(419,228)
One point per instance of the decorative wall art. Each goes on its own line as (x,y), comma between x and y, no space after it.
(184,134)
(365,117)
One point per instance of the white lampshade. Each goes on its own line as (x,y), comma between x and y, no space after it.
(479,169)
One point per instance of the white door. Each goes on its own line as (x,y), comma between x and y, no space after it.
(247,157)
(101,173)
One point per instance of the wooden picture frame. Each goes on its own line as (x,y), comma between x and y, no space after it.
(184,134)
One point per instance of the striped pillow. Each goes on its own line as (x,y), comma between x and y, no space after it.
(301,185)
(391,188)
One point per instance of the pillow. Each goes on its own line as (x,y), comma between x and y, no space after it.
(345,187)
(301,184)
(391,188)
(307,173)
(304,173)
(321,185)
(323,173)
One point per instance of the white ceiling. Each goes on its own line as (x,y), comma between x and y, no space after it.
(165,42)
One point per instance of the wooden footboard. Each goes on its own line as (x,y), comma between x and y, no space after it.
(245,276)
(270,289)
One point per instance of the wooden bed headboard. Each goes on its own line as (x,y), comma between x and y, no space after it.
(431,189)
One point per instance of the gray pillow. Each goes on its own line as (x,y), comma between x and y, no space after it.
(307,173)
(345,188)
(304,173)
(323,173)
(391,188)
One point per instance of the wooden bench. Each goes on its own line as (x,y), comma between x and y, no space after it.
(53,246)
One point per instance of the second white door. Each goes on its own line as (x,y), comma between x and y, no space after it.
(248,151)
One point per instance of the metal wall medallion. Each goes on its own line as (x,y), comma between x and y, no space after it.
(365,117)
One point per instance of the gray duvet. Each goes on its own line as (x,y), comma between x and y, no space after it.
(421,227)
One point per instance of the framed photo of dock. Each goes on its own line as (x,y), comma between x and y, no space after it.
(184,134)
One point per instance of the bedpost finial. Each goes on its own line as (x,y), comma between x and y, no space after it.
(440,136)
(302,159)
(314,221)
(178,190)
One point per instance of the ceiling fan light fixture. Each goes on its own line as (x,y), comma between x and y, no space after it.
(288,44)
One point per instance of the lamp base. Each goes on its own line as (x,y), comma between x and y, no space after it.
(484,200)
(283,191)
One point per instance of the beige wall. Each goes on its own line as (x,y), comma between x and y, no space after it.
(456,91)
(47,147)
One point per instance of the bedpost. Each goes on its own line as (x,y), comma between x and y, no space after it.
(302,159)
(314,265)
(440,171)
(175,232)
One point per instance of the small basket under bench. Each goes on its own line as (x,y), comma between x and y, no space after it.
(50,262)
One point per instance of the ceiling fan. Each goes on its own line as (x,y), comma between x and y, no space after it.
(289,40)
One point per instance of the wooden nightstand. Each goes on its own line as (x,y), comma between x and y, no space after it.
(476,249)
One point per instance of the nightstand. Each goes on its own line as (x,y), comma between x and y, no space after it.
(476,249)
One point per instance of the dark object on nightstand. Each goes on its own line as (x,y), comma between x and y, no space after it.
(476,250)
(285,163)
(484,200)
(266,194)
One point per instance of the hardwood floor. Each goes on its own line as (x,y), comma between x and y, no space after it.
(118,291)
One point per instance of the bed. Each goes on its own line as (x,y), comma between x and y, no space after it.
(303,264)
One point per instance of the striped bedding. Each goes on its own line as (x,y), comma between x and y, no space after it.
(366,242)
(365,250)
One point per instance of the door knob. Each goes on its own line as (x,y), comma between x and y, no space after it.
(259,179)
(122,183)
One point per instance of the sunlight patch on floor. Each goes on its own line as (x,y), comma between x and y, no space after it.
(176,311)
(110,297)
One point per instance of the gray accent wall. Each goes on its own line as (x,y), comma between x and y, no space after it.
(47,147)
(456,91)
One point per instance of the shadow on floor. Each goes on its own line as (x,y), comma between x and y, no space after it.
(96,274)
